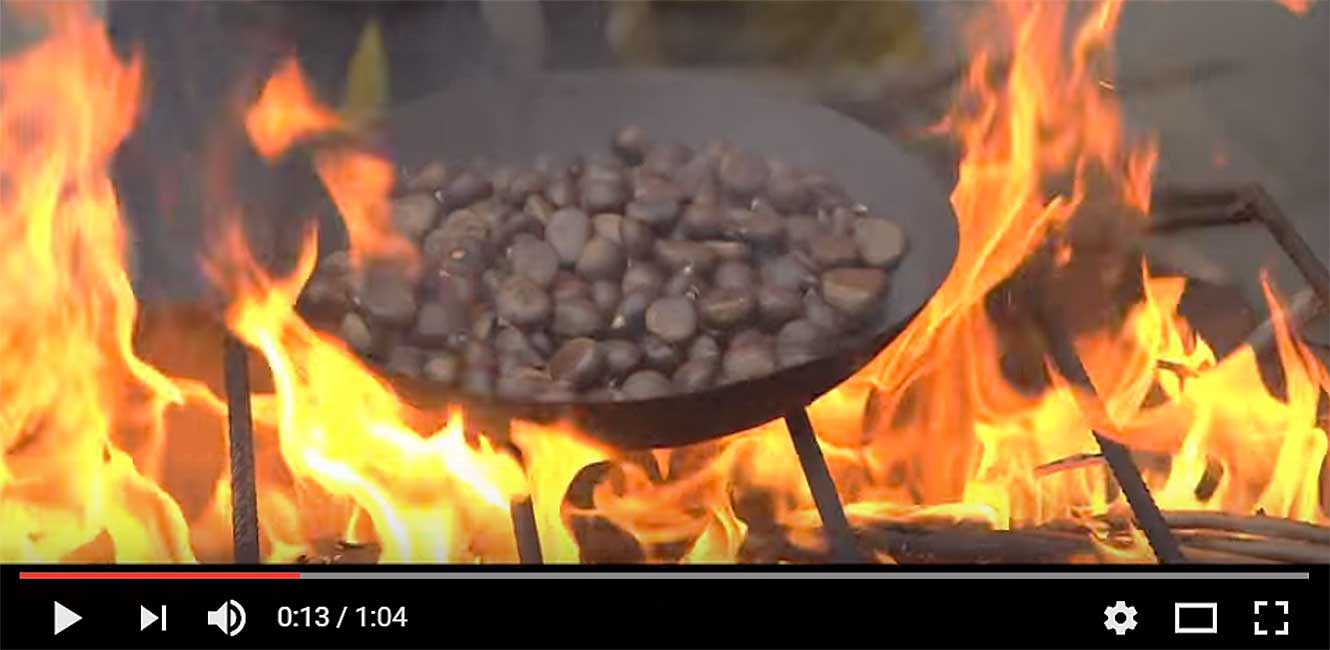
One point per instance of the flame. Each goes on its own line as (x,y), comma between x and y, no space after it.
(110,458)
(553,456)
(1048,115)
(1299,7)
(80,411)
(359,183)
(357,465)
(930,431)
(286,112)
(355,462)
(1269,450)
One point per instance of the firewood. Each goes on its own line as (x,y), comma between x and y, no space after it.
(1282,550)
(1252,525)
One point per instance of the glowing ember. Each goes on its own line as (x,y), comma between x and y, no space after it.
(108,458)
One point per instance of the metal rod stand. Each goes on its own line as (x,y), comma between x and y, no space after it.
(240,429)
(1181,208)
(1283,232)
(836,527)
(1143,507)
(524,528)
(497,427)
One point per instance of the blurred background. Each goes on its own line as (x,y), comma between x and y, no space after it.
(1238,91)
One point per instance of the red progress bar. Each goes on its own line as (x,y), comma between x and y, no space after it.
(178,575)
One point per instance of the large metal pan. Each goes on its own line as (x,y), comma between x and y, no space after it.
(572,113)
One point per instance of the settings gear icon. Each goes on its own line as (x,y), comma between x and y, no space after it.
(1120,618)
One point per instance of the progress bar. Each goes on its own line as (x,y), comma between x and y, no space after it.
(653,575)
(158,575)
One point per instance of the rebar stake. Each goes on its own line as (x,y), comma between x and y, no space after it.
(240,427)
(1181,208)
(1143,507)
(524,528)
(497,427)
(836,527)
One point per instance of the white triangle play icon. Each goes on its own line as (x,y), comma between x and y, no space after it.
(64,617)
(146,618)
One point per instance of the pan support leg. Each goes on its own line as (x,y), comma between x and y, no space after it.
(835,525)
(240,431)
(1118,458)
(840,537)
(497,427)
(524,528)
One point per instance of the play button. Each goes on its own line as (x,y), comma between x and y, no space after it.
(147,617)
(64,617)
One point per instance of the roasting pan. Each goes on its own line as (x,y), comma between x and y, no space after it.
(571,113)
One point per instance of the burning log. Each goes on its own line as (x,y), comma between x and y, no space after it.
(1074,461)
(1085,274)
(1248,525)
(923,546)
(1205,537)
(341,552)
(599,541)
(1268,549)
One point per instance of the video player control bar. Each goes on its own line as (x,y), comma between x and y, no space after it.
(588,607)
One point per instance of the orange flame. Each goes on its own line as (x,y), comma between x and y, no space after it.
(930,431)
(1299,7)
(553,456)
(357,467)
(360,184)
(76,400)
(286,112)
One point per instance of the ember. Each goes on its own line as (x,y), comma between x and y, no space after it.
(967,439)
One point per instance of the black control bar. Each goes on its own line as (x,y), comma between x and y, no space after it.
(621,607)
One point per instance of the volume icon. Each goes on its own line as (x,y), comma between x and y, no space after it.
(147,617)
(229,618)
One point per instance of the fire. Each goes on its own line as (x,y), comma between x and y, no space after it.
(1269,450)
(287,112)
(554,456)
(931,431)
(81,413)
(1299,7)
(357,468)
(111,458)
(359,183)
